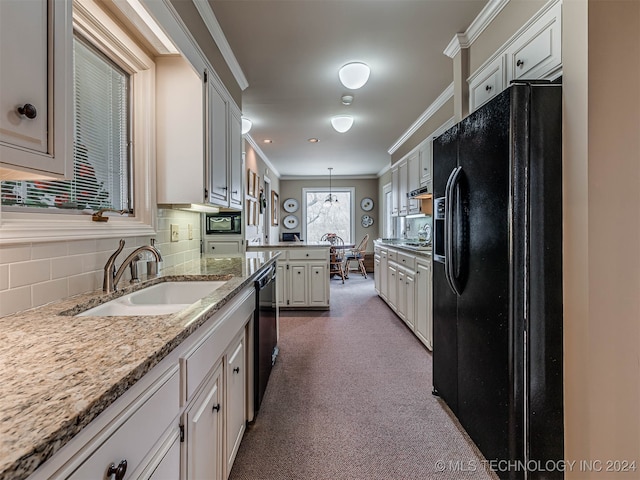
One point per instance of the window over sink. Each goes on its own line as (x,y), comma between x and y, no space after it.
(102,161)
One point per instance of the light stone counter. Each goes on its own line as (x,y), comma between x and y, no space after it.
(425,252)
(281,245)
(59,371)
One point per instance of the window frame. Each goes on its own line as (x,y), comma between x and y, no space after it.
(92,23)
(305,190)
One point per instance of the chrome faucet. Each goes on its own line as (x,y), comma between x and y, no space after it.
(112,276)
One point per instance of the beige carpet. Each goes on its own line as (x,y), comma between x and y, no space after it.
(350,398)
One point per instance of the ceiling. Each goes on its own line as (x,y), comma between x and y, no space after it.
(290,52)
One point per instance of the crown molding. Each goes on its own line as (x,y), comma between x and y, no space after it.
(479,24)
(261,154)
(326,177)
(384,170)
(443,98)
(215,30)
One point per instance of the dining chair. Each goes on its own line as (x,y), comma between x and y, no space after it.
(336,263)
(357,254)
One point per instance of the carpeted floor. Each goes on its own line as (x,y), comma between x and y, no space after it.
(350,398)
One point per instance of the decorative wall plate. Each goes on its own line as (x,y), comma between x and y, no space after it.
(290,221)
(366,204)
(366,221)
(290,205)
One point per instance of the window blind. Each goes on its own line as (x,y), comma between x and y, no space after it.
(101,170)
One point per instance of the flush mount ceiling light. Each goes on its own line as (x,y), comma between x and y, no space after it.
(342,123)
(354,75)
(347,99)
(246,125)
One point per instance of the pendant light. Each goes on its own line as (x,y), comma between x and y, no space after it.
(330,199)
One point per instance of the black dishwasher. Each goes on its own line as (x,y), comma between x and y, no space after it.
(264,332)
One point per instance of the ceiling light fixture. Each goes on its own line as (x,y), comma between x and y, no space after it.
(342,123)
(267,140)
(246,125)
(313,140)
(354,75)
(347,99)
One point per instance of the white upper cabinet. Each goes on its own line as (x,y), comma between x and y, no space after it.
(199,141)
(36,101)
(534,52)
(425,152)
(537,52)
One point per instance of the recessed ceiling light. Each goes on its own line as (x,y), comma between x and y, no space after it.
(267,140)
(354,75)
(313,140)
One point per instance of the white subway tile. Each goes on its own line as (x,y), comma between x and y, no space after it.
(86,282)
(4,277)
(47,292)
(66,266)
(83,246)
(15,253)
(107,244)
(15,300)
(28,273)
(96,261)
(49,250)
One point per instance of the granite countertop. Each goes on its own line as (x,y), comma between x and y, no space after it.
(279,245)
(60,371)
(401,245)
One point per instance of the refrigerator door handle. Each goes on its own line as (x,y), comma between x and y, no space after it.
(448,232)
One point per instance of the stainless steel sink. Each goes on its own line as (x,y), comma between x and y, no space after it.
(159,299)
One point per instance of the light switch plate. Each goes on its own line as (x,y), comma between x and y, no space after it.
(175,233)
(190,231)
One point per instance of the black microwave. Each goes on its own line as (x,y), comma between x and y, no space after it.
(223,222)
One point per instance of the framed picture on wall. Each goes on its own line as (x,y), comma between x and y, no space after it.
(251,183)
(275,209)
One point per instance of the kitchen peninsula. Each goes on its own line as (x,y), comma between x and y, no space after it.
(79,392)
(303,274)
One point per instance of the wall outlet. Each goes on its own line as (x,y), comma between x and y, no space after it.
(190,231)
(175,233)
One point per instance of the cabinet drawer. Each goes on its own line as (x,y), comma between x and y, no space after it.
(392,255)
(486,84)
(406,260)
(222,248)
(133,435)
(308,254)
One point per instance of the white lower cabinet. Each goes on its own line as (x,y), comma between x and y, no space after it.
(184,419)
(423,302)
(236,398)
(202,422)
(405,285)
(303,278)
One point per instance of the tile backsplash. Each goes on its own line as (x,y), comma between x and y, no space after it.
(33,274)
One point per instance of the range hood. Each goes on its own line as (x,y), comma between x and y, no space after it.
(421,193)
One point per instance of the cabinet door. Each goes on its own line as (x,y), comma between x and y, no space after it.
(282,284)
(203,424)
(537,52)
(413,180)
(298,285)
(410,293)
(384,274)
(169,465)
(424,153)
(318,285)
(403,175)
(423,302)
(401,288)
(395,194)
(235,161)
(392,290)
(376,272)
(216,134)
(223,248)
(486,84)
(36,52)
(235,377)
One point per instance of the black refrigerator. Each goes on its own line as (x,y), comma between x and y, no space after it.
(497,278)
